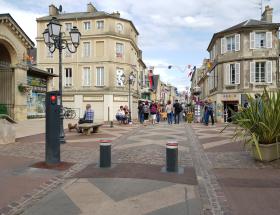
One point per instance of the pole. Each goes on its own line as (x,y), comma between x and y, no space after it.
(129,105)
(61,135)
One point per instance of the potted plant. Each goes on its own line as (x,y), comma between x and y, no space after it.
(23,88)
(259,125)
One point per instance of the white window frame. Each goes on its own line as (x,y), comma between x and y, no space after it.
(231,71)
(86,53)
(68,79)
(51,71)
(87,25)
(255,41)
(100,76)
(258,40)
(86,76)
(230,43)
(98,27)
(66,26)
(119,50)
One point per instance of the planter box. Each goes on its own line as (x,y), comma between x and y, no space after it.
(268,152)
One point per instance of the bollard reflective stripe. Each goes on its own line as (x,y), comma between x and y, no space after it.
(172,156)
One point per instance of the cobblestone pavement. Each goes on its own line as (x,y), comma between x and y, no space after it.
(16,160)
(238,184)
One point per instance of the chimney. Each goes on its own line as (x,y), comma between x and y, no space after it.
(91,8)
(53,11)
(116,14)
(267,14)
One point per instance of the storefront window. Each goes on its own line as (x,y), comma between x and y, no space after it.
(36,97)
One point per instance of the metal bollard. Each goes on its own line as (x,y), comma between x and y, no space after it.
(111,124)
(105,153)
(172,156)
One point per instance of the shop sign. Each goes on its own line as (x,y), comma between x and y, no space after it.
(95,98)
(229,97)
(120,98)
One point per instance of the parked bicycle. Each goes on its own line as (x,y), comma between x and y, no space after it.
(69,113)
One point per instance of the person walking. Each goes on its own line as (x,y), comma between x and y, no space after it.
(141,112)
(153,111)
(177,110)
(209,112)
(169,111)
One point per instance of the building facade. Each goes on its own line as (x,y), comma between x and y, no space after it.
(22,86)
(108,49)
(244,60)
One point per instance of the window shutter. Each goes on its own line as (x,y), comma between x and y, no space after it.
(227,74)
(64,78)
(237,73)
(269,72)
(252,40)
(89,77)
(222,45)
(252,72)
(237,42)
(71,75)
(269,40)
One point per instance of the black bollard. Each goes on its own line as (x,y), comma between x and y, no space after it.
(111,124)
(172,156)
(105,153)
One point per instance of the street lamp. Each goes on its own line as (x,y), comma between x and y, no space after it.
(53,39)
(129,81)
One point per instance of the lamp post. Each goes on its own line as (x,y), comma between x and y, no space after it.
(53,39)
(130,81)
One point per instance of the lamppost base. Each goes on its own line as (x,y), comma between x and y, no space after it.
(62,140)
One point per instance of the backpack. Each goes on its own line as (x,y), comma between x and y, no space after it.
(146,109)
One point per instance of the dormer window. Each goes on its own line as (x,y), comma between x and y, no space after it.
(119,27)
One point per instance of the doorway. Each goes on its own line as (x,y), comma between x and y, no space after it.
(230,108)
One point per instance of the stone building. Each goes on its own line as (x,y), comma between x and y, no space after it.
(22,85)
(244,59)
(108,49)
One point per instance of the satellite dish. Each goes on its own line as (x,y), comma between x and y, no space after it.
(60,8)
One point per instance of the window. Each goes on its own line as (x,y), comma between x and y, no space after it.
(68,26)
(260,72)
(86,76)
(100,24)
(260,39)
(50,70)
(119,27)
(99,48)
(100,76)
(119,49)
(232,74)
(86,49)
(68,77)
(120,81)
(230,43)
(87,26)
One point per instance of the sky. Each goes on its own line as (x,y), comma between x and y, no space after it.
(172,32)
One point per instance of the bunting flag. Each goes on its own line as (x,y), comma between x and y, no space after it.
(189,66)
(209,64)
(192,71)
(151,79)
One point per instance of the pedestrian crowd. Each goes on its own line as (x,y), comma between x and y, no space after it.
(157,112)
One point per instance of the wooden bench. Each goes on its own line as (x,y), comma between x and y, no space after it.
(86,127)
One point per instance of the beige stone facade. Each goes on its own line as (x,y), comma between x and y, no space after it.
(14,70)
(243,60)
(108,49)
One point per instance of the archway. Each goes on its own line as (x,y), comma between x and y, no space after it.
(7,87)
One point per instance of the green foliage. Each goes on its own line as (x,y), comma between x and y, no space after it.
(260,122)
(3,109)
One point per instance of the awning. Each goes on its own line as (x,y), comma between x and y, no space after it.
(36,71)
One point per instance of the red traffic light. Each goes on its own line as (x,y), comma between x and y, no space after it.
(53,99)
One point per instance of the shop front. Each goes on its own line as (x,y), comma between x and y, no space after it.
(230,106)
(37,81)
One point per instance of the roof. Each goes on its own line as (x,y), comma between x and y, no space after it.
(10,18)
(86,15)
(250,23)
(40,72)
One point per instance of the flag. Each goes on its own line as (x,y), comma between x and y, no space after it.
(169,67)
(209,64)
(151,79)
(189,66)
(190,74)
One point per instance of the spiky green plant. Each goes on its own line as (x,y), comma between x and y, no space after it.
(260,122)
